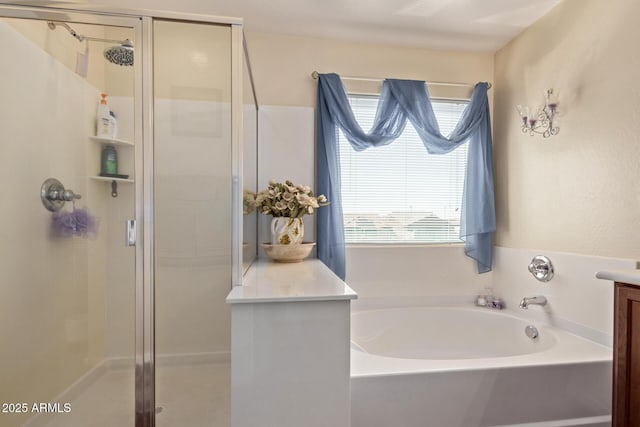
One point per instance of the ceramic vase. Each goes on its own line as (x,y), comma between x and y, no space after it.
(286,231)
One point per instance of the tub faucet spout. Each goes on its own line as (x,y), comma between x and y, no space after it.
(539,300)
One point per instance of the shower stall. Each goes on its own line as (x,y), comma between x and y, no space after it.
(117,251)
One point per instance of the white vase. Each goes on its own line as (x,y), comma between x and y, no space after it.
(286,231)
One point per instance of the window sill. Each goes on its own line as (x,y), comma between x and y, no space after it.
(402,245)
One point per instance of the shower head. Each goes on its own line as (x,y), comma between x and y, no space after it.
(120,55)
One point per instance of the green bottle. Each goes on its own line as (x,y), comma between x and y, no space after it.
(109,163)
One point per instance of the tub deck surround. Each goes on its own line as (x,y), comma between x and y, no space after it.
(577,300)
(474,371)
(290,333)
(308,280)
(622,276)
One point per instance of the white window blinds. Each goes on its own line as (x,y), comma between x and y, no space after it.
(399,193)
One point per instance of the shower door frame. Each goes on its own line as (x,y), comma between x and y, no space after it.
(141,22)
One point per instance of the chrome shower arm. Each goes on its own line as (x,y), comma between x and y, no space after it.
(52,25)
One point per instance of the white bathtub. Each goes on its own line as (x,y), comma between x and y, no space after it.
(468,367)
(444,333)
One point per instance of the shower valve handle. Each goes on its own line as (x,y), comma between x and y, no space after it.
(54,195)
(541,268)
(69,196)
(62,195)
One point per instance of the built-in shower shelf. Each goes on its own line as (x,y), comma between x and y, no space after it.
(108,179)
(120,142)
(125,159)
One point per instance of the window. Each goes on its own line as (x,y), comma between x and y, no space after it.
(400,193)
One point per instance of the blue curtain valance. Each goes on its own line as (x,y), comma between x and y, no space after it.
(402,100)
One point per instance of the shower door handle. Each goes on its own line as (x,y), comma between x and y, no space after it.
(131,232)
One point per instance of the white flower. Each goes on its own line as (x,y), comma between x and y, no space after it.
(274,194)
(286,199)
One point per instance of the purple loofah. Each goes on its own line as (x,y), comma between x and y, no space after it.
(79,222)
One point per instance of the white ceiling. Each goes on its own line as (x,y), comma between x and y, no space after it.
(472,25)
(476,25)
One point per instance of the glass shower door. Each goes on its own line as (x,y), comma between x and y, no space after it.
(67,275)
(193,216)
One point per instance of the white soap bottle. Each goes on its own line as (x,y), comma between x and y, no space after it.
(103,121)
(114,125)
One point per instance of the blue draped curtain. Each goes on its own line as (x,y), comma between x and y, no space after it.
(402,100)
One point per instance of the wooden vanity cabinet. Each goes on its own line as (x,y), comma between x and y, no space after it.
(626,356)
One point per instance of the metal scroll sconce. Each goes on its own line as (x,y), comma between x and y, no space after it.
(54,195)
(541,121)
(541,268)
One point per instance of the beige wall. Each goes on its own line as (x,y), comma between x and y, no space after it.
(113,79)
(282,65)
(62,46)
(578,191)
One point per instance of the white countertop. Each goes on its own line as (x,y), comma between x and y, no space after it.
(623,276)
(309,280)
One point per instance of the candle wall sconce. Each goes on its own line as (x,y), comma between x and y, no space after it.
(542,121)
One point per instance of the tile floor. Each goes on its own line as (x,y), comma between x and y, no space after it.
(194,395)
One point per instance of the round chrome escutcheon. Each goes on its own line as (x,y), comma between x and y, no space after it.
(531,331)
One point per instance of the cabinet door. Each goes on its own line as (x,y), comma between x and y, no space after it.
(626,369)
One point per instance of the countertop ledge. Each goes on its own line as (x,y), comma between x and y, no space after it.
(623,276)
(309,280)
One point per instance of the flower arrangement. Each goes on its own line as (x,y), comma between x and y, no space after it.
(288,200)
(248,202)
